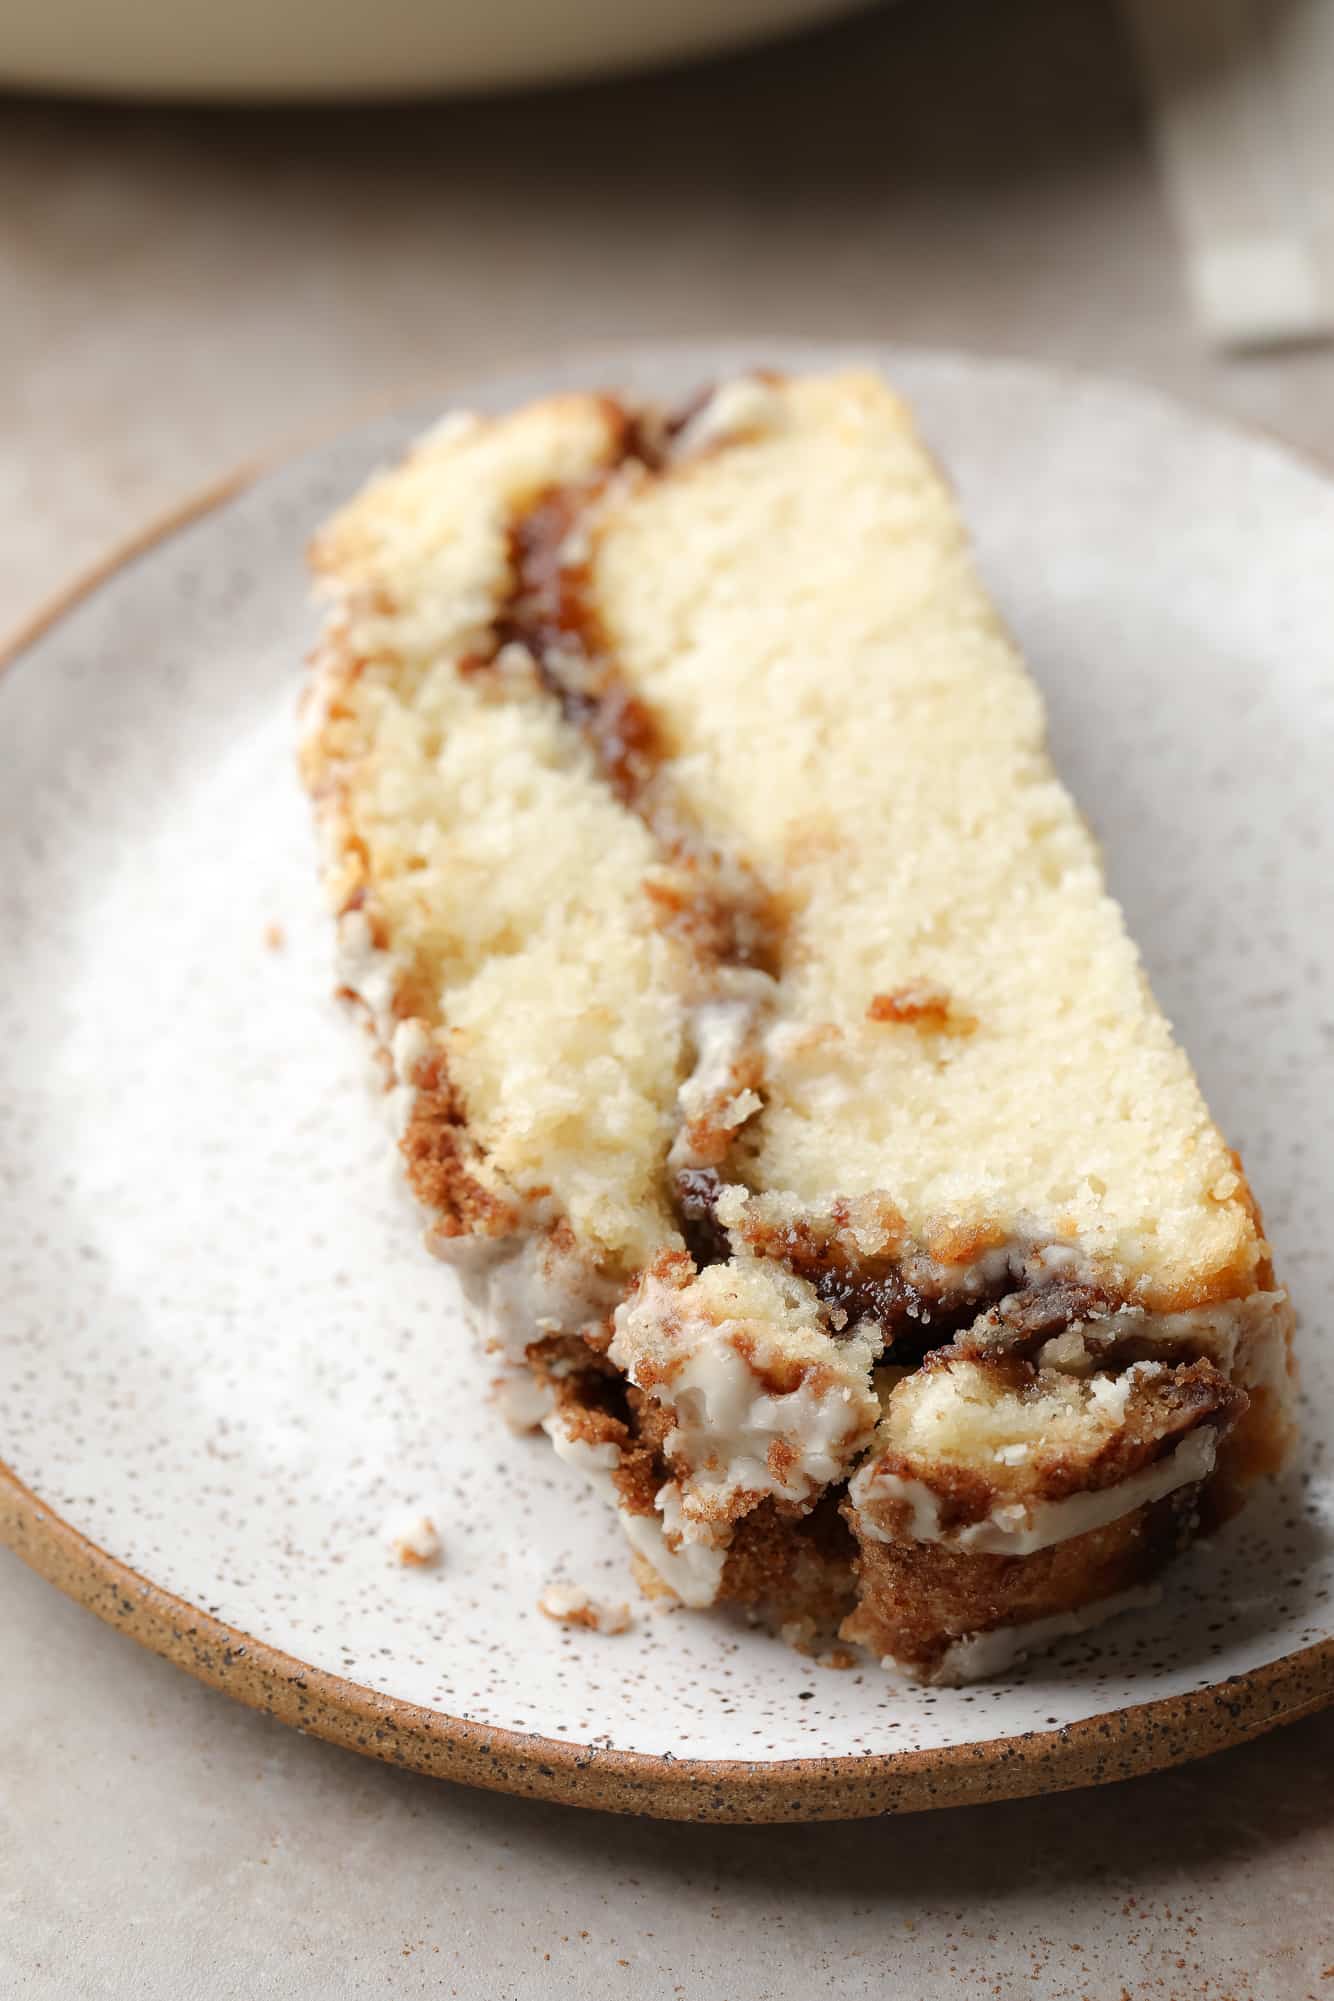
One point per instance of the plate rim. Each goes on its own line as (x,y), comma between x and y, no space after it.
(1114,1744)
(1095,1750)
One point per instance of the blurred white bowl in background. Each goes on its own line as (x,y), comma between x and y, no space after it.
(349,48)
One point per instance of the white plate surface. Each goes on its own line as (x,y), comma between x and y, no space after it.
(224,1355)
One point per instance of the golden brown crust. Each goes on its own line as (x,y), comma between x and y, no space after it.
(793,1567)
(915,1599)
(438,1156)
(1245,1194)
(1254,1449)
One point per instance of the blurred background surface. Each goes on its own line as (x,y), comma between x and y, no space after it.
(186,287)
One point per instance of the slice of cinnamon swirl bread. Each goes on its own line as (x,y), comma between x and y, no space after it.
(767,1053)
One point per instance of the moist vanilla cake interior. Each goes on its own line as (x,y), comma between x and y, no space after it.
(765,1049)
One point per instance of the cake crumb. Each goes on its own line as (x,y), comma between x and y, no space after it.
(274,936)
(804,1636)
(799,1634)
(570,1605)
(413,1539)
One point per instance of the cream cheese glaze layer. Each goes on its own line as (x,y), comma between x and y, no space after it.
(1022,1528)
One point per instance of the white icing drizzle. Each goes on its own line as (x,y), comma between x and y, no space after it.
(722,1029)
(693,1572)
(981,1655)
(524,1401)
(368,971)
(524,1287)
(1217,1332)
(727,1421)
(1020,1528)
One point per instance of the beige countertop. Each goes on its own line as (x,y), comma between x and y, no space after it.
(183,289)
(162,1844)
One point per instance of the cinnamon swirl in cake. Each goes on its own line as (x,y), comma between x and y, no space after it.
(766,1052)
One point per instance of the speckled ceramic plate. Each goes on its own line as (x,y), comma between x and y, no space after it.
(224,1356)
